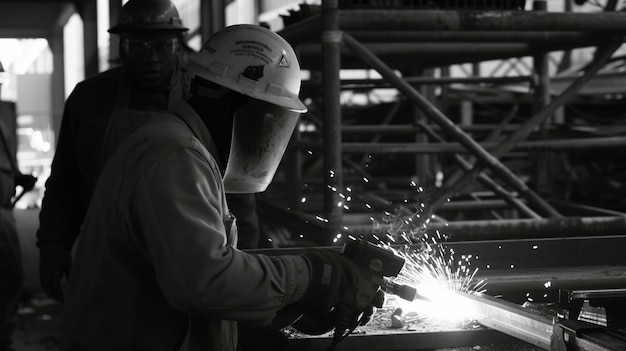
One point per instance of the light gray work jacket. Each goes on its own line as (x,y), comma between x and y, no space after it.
(155,266)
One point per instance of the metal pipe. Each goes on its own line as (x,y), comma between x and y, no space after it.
(595,294)
(412,129)
(583,144)
(331,62)
(414,36)
(381,83)
(514,229)
(449,20)
(544,161)
(428,50)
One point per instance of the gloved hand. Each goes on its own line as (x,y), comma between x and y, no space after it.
(26,181)
(316,323)
(54,262)
(334,279)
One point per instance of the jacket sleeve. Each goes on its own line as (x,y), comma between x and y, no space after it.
(180,204)
(62,208)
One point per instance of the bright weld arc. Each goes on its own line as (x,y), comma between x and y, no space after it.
(430,268)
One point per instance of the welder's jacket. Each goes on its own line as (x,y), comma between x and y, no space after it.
(155,268)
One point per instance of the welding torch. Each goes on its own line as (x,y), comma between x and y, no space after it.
(380,264)
(377,266)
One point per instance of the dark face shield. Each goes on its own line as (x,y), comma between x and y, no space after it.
(261,132)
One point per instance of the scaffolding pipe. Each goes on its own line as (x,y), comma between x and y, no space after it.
(433,113)
(461,20)
(544,163)
(412,129)
(404,62)
(381,83)
(462,26)
(331,63)
(518,229)
(414,36)
(423,51)
(602,55)
(580,144)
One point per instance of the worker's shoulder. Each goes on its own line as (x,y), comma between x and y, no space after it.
(165,127)
(164,134)
(100,83)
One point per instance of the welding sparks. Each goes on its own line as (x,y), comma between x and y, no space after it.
(431,268)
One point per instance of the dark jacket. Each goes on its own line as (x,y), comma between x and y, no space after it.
(79,151)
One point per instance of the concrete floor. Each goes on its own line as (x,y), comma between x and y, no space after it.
(38,320)
(39,315)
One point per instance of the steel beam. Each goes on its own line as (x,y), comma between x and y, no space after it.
(416,36)
(449,20)
(503,229)
(447,148)
(511,319)
(544,331)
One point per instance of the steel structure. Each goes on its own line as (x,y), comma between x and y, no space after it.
(390,41)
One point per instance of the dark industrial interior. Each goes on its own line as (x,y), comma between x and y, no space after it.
(517,167)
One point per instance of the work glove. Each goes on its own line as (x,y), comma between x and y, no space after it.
(26,181)
(316,323)
(333,279)
(54,263)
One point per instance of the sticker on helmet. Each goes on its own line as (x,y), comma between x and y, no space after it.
(253,72)
(283,61)
(253,48)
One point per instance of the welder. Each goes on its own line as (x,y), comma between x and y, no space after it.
(99,114)
(157,266)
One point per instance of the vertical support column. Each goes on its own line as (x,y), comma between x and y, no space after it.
(89,14)
(57,45)
(424,163)
(115,6)
(331,65)
(212,17)
(542,159)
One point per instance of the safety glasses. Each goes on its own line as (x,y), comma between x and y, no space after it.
(161,46)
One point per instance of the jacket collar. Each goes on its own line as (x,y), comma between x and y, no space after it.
(186,113)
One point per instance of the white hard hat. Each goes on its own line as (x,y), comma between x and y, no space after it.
(253,61)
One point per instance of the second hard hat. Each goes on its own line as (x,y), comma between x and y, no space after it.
(141,15)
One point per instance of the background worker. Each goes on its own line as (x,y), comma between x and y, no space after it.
(156,262)
(99,114)
(11,270)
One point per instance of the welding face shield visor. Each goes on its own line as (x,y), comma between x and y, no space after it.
(260,135)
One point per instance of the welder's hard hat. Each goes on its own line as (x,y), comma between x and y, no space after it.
(142,15)
(253,61)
